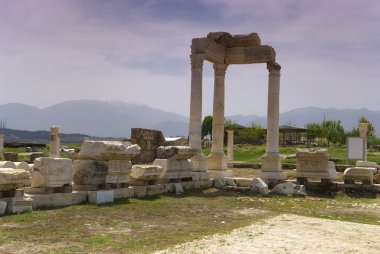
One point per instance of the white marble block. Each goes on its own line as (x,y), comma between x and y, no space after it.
(315,163)
(11,178)
(108,150)
(51,172)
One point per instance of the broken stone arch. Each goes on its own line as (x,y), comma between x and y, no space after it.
(223,49)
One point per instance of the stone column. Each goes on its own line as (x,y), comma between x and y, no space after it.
(195,125)
(230,145)
(363,128)
(271,162)
(217,161)
(1,145)
(54,142)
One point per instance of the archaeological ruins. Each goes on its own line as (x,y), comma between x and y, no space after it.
(149,164)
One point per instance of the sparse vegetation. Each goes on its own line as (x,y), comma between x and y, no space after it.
(141,226)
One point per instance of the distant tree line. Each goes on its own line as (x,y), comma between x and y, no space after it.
(325,132)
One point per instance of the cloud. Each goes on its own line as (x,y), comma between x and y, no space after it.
(53,51)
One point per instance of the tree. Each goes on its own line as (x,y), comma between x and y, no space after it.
(333,132)
(207,127)
(313,131)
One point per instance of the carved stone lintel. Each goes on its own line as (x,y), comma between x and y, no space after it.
(273,66)
(220,69)
(197,61)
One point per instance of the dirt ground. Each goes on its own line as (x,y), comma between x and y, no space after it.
(290,234)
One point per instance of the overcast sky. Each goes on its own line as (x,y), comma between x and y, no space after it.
(138,51)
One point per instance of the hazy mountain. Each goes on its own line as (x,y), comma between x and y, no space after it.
(92,117)
(99,118)
(300,117)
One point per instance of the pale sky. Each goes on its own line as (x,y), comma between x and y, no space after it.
(138,51)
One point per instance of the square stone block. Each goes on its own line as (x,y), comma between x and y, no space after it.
(140,191)
(216,163)
(207,183)
(57,199)
(100,197)
(157,189)
(200,175)
(124,192)
(51,172)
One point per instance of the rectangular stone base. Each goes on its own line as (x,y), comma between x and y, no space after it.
(243,182)
(220,173)
(271,163)
(153,190)
(199,162)
(48,190)
(198,176)
(100,197)
(57,199)
(274,175)
(18,204)
(124,192)
(216,162)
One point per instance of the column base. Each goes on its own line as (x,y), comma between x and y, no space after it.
(199,163)
(271,168)
(216,162)
(220,173)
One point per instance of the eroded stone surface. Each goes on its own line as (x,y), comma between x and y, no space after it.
(51,172)
(315,163)
(89,172)
(22,165)
(175,152)
(7,164)
(11,178)
(146,172)
(174,169)
(289,188)
(359,174)
(108,150)
(258,185)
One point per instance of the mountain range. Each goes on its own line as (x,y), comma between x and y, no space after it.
(109,119)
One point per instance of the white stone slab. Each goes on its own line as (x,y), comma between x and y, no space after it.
(108,150)
(51,172)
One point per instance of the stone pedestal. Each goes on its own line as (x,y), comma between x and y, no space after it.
(271,168)
(54,142)
(144,175)
(315,164)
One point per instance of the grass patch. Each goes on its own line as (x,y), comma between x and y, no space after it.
(145,225)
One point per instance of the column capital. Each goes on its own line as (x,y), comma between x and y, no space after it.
(230,131)
(273,67)
(197,61)
(220,69)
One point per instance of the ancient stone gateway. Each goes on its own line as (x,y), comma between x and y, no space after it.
(223,49)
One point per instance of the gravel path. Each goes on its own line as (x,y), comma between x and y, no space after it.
(290,234)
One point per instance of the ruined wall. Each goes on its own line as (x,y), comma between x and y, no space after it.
(149,141)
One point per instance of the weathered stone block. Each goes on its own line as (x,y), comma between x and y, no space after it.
(288,188)
(219,182)
(100,197)
(362,174)
(175,152)
(22,165)
(11,178)
(19,205)
(124,192)
(146,172)
(169,187)
(157,189)
(87,172)
(207,183)
(175,169)
(7,164)
(187,185)
(197,184)
(243,182)
(57,199)
(108,150)
(51,172)
(3,207)
(259,186)
(140,191)
(149,141)
(178,189)
(198,176)
(314,163)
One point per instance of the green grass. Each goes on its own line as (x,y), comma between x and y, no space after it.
(253,154)
(145,225)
